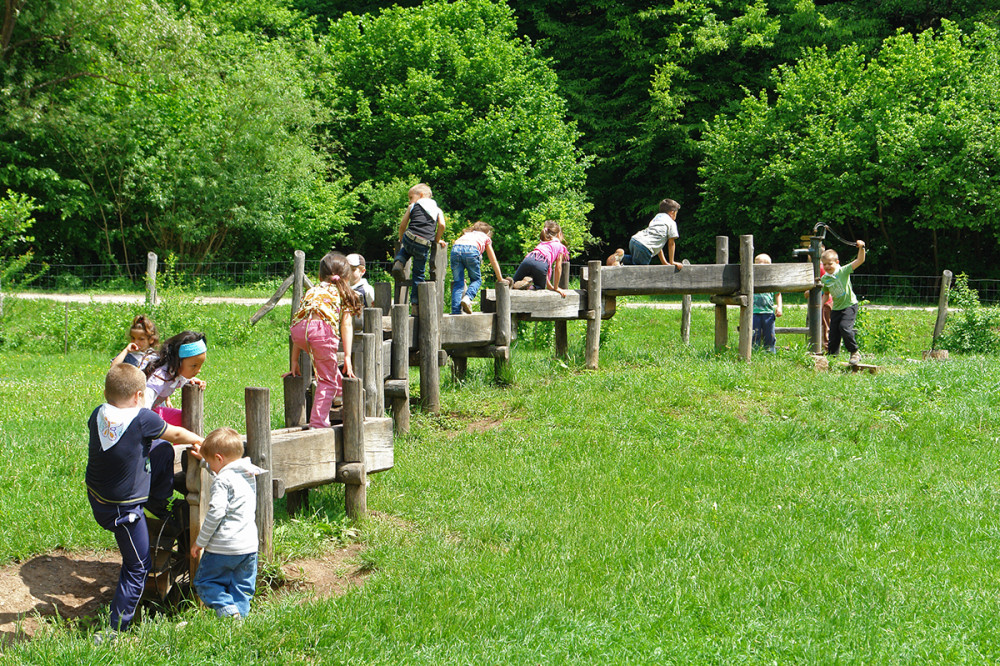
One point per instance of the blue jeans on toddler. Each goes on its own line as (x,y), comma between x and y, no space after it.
(412,248)
(465,258)
(226,583)
(639,254)
(763,331)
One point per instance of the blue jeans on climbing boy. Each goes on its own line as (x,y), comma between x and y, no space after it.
(226,583)
(763,331)
(465,258)
(414,246)
(639,254)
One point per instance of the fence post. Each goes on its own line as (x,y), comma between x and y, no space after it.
(721,318)
(942,313)
(503,329)
(151,279)
(400,367)
(355,490)
(686,314)
(258,414)
(196,480)
(428,342)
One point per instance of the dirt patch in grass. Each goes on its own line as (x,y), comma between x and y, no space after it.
(76,585)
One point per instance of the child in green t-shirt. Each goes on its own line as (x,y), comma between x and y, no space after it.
(837,282)
(766,306)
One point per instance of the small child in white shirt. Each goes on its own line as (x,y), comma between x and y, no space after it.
(227,575)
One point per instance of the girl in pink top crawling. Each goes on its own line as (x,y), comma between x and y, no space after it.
(323,323)
(542,267)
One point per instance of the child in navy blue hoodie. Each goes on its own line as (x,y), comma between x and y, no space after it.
(120,465)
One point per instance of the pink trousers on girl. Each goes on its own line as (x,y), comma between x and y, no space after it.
(317,337)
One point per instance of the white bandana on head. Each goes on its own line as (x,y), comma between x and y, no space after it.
(112,422)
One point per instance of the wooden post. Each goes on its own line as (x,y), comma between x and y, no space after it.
(355,494)
(561,335)
(459,367)
(942,313)
(373,326)
(197,480)
(400,366)
(383,296)
(814,315)
(297,500)
(503,328)
(368,379)
(151,279)
(593,314)
(400,289)
(746,289)
(258,413)
(721,320)
(438,268)
(428,342)
(686,313)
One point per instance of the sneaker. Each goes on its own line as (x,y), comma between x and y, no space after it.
(524,283)
(397,271)
(466,305)
(616,258)
(855,358)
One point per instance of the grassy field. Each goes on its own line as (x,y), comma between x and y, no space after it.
(676,506)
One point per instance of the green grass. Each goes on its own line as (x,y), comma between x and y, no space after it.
(676,506)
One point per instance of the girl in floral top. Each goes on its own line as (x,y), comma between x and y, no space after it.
(322,323)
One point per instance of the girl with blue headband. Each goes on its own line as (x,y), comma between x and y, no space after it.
(180,361)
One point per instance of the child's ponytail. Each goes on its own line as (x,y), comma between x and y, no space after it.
(335,269)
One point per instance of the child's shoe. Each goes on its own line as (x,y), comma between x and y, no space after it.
(397,271)
(855,358)
(466,305)
(616,258)
(524,283)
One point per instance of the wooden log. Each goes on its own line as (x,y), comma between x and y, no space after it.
(488,351)
(298,286)
(295,401)
(738,300)
(383,296)
(561,331)
(355,494)
(273,301)
(534,305)
(258,415)
(721,318)
(468,330)
(746,290)
(701,279)
(942,312)
(351,473)
(197,480)
(504,331)
(438,261)
(400,366)
(373,325)
(428,343)
(593,342)
(792,330)
(370,381)
(686,312)
(402,283)
(459,367)
(309,458)
(151,279)
(397,388)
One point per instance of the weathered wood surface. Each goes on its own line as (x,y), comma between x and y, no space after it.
(721,316)
(592,344)
(259,450)
(703,279)
(467,330)
(539,305)
(747,279)
(794,330)
(309,458)
(942,313)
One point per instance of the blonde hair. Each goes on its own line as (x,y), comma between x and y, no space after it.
(224,441)
(762,258)
(479,225)
(122,382)
(420,190)
(830,255)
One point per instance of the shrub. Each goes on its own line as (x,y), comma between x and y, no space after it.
(971,328)
(877,335)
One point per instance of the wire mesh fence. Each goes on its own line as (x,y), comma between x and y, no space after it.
(262,277)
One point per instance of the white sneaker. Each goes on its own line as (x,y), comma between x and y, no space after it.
(466,305)
(855,358)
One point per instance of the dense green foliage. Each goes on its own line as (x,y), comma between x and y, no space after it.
(901,149)
(224,129)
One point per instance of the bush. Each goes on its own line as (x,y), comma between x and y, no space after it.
(971,328)
(877,335)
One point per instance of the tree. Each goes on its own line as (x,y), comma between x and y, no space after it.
(448,93)
(900,149)
(15,221)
